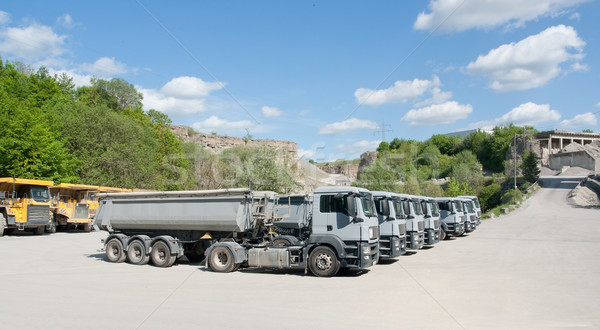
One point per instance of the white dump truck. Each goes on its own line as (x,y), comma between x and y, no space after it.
(476,205)
(452,216)
(236,228)
(392,224)
(431,217)
(415,223)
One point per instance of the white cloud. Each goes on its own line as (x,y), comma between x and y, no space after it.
(360,146)
(400,92)
(579,67)
(435,114)
(347,125)
(78,79)
(4,17)
(268,112)
(585,119)
(531,62)
(598,104)
(190,87)
(437,97)
(460,15)
(104,66)
(181,96)
(32,43)
(222,126)
(306,154)
(528,113)
(66,21)
(575,16)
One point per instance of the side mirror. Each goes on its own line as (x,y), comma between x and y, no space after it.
(357,219)
(350,204)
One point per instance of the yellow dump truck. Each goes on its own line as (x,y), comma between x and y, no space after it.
(25,205)
(74,205)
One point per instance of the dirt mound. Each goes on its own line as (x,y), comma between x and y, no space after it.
(574,171)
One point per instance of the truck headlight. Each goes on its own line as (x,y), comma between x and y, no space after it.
(366,250)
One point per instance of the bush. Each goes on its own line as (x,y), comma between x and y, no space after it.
(512,196)
(490,196)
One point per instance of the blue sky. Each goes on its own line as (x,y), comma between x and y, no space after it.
(329,75)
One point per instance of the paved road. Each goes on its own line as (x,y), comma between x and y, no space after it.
(535,268)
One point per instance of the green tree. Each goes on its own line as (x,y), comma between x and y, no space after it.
(379,176)
(448,145)
(456,188)
(530,166)
(30,147)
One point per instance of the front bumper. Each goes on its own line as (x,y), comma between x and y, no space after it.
(391,246)
(416,240)
(432,236)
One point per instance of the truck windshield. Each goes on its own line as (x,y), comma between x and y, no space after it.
(399,210)
(368,206)
(40,194)
(417,206)
(435,211)
(458,206)
(476,201)
(470,207)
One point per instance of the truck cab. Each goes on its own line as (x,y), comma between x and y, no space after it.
(415,223)
(476,205)
(431,216)
(74,205)
(453,221)
(24,205)
(392,225)
(345,219)
(470,214)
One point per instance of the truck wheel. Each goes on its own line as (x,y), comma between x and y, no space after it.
(1,224)
(323,262)
(39,230)
(442,234)
(87,227)
(136,253)
(161,255)
(114,251)
(51,228)
(221,260)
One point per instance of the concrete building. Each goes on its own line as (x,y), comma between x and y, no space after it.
(574,154)
(549,143)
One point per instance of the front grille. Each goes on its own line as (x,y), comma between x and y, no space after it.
(421,226)
(82,211)
(38,214)
(402,229)
(374,232)
(436,224)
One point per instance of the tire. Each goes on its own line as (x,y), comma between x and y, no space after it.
(87,227)
(442,234)
(51,228)
(221,260)
(114,250)
(161,255)
(2,226)
(323,262)
(39,230)
(136,253)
